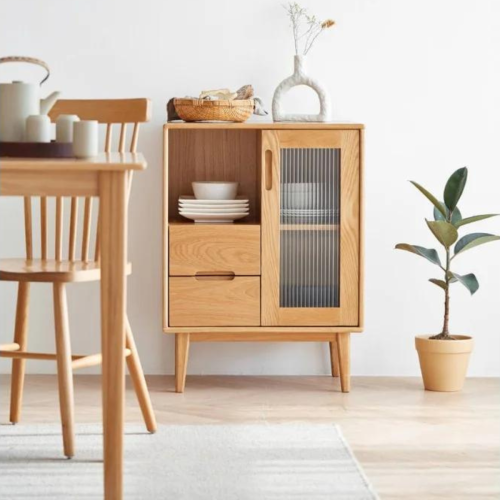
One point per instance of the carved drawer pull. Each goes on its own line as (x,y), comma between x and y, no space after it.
(215,275)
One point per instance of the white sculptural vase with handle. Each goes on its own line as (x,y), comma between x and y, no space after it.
(300,77)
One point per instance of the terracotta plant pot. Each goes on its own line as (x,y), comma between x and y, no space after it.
(444,362)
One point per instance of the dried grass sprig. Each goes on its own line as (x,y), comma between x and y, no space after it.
(306,28)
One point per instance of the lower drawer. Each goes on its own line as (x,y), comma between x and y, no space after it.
(214,301)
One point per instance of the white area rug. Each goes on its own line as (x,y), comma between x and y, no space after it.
(188,462)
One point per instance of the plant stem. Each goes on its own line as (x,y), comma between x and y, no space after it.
(310,44)
(446,331)
(445,334)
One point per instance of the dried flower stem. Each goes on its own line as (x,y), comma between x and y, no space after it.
(299,17)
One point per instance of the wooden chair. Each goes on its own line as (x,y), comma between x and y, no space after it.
(77,267)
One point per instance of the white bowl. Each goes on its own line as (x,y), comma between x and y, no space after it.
(300,200)
(300,187)
(299,195)
(211,190)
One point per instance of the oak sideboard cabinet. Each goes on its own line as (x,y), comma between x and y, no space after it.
(292,270)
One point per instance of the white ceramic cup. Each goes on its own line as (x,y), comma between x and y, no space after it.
(85,138)
(64,127)
(37,128)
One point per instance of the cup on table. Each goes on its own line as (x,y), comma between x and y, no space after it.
(85,138)
(64,127)
(37,128)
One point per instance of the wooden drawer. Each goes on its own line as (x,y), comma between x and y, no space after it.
(214,301)
(212,249)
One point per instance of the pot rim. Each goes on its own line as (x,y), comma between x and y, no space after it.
(461,344)
(458,338)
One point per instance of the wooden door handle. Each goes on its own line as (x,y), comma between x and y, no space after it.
(269,169)
(214,275)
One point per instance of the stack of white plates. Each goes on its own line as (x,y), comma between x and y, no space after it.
(298,212)
(312,215)
(213,211)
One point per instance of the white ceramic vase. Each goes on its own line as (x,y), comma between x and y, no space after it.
(300,77)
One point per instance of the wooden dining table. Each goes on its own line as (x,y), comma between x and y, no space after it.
(105,176)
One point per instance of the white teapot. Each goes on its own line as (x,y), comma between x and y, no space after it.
(18,100)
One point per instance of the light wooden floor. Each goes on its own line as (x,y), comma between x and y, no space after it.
(412,444)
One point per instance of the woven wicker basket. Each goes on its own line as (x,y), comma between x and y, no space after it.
(197,110)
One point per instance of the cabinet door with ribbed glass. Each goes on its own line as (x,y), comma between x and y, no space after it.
(310,227)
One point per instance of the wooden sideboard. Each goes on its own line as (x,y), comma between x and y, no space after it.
(290,271)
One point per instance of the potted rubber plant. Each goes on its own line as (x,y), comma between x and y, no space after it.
(444,357)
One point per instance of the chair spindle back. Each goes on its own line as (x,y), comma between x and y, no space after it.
(110,112)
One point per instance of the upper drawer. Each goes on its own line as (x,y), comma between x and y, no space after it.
(212,248)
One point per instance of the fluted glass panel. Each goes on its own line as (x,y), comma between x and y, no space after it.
(309,227)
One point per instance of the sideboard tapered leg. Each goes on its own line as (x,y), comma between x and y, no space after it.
(334,358)
(181,360)
(343,345)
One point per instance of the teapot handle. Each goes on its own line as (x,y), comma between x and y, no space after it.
(31,60)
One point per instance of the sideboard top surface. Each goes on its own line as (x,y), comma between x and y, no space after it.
(264,124)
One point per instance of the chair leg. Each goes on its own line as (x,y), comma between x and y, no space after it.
(138,380)
(64,370)
(18,365)
(181,360)
(343,344)
(334,358)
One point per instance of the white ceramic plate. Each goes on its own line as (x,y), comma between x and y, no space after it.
(311,209)
(213,218)
(191,199)
(214,210)
(300,186)
(309,212)
(215,207)
(291,217)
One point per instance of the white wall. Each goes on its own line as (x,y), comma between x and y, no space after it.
(424,76)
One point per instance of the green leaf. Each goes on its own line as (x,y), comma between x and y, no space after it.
(469,281)
(439,283)
(456,216)
(473,240)
(454,188)
(428,253)
(475,218)
(444,232)
(430,197)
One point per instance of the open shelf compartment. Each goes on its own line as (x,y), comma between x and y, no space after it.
(213,155)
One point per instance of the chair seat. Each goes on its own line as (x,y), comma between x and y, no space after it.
(50,271)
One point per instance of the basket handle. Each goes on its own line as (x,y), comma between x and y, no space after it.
(30,60)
